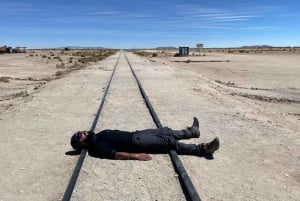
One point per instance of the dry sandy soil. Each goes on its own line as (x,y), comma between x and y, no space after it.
(250,101)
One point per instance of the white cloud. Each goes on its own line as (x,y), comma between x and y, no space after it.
(106,13)
(16,8)
(259,28)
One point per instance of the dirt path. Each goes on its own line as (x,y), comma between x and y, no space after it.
(103,179)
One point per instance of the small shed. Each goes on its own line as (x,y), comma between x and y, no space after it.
(184,51)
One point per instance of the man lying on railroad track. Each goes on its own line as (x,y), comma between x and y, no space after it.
(116,144)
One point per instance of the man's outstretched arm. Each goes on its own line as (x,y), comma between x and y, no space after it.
(132,156)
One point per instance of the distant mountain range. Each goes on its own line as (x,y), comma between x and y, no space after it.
(164,48)
(79,47)
(257,46)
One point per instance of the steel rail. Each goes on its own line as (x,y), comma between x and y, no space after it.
(70,188)
(189,190)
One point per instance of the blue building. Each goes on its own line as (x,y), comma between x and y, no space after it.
(184,51)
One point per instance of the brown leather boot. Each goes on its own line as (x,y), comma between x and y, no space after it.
(194,129)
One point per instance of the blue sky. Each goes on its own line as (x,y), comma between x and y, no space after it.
(149,24)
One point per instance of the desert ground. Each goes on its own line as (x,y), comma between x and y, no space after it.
(249,100)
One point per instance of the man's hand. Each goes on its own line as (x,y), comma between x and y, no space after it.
(132,156)
(143,157)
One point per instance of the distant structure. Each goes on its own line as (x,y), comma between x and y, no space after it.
(6,49)
(184,51)
(19,50)
(199,46)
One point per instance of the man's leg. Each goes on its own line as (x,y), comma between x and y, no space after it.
(203,150)
(163,144)
(190,132)
(168,132)
(187,149)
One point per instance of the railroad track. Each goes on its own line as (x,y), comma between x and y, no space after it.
(187,186)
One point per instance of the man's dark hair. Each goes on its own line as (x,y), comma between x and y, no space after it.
(75,141)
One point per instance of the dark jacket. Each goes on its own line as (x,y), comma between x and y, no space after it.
(106,143)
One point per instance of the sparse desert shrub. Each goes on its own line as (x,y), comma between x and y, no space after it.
(82,60)
(75,66)
(154,54)
(47,79)
(4,79)
(230,84)
(92,58)
(20,94)
(59,73)
(142,53)
(44,56)
(61,65)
